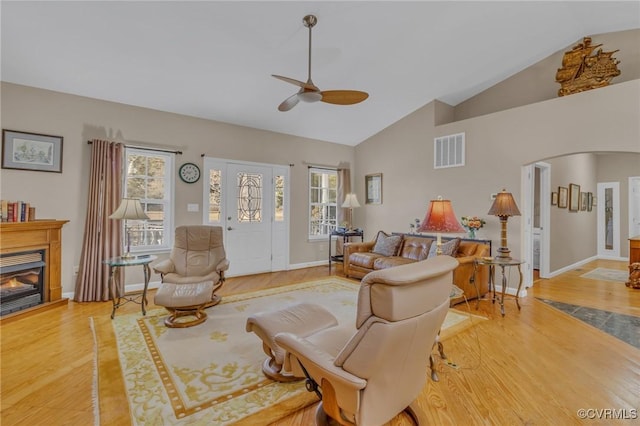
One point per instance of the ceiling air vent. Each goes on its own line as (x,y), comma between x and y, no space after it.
(448,151)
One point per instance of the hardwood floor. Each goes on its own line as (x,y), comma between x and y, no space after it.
(538,366)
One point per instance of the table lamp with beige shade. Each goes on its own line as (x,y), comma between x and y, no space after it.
(129,209)
(350,202)
(504,206)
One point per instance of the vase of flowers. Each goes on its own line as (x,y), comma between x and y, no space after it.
(414,227)
(472,224)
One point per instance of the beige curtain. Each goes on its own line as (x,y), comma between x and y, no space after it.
(102,236)
(344,187)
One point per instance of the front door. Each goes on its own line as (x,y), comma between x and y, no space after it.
(248,218)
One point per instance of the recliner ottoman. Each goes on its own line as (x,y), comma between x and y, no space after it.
(183,300)
(302,319)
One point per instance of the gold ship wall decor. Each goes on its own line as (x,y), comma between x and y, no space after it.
(582,69)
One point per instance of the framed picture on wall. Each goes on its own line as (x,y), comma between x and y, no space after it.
(584,200)
(563,194)
(31,151)
(554,198)
(373,188)
(589,201)
(574,197)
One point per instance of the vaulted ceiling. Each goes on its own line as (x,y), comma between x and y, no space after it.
(214,59)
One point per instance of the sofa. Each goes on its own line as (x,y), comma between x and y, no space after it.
(389,250)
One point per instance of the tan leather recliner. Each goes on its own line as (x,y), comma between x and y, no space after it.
(197,256)
(373,372)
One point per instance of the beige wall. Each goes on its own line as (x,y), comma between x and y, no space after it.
(503,135)
(615,168)
(497,146)
(567,226)
(587,170)
(537,83)
(78,119)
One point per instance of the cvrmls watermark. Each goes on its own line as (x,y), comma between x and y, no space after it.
(608,413)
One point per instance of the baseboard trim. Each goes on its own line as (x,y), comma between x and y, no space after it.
(131,288)
(307,264)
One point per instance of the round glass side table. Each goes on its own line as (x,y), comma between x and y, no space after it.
(116,287)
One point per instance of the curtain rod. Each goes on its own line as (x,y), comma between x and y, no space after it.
(319,166)
(148,149)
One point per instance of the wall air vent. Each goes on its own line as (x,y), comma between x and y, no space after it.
(448,151)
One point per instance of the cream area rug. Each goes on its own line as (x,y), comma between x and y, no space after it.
(607,275)
(211,374)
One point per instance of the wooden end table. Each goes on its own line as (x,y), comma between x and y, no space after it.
(345,237)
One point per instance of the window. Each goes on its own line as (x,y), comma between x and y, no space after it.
(323,192)
(249,199)
(215,195)
(278,202)
(149,177)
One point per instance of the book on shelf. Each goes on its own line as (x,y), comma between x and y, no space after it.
(16,211)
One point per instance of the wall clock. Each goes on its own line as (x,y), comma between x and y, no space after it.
(189,173)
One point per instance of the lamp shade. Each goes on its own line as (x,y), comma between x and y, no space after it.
(129,208)
(504,205)
(440,218)
(350,201)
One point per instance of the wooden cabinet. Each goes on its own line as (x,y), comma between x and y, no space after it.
(634,249)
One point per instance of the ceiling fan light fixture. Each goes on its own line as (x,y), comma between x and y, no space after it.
(310,96)
(309,92)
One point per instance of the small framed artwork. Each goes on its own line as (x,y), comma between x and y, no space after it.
(589,201)
(31,151)
(574,197)
(584,200)
(563,194)
(554,198)
(373,188)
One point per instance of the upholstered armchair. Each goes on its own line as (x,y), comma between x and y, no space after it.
(371,373)
(197,256)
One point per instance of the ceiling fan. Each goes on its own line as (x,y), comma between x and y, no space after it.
(309,92)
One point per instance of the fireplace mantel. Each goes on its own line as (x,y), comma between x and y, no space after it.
(37,235)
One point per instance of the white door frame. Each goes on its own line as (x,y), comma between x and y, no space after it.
(528,188)
(603,252)
(634,209)
(279,230)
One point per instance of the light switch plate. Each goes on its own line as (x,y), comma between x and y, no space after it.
(193,207)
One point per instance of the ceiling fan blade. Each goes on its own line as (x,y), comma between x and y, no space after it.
(295,82)
(343,97)
(289,103)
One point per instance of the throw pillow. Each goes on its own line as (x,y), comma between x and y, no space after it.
(450,248)
(387,245)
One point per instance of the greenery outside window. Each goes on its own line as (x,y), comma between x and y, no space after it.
(323,209)
(149,177)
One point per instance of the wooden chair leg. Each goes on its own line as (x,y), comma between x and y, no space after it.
(201,316)
(329,403)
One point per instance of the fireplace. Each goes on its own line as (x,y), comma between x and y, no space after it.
(21,281)
(41,239)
